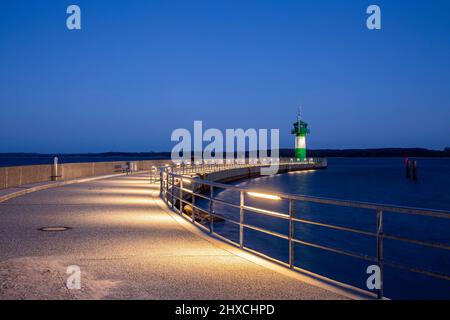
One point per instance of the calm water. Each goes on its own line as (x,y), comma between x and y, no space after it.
(371,180)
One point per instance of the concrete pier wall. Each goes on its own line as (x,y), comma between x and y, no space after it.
(17,176)
(22,175)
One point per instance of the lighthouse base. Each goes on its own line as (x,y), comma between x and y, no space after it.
(300,154)
(300,148)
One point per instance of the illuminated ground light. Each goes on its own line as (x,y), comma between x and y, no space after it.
(54,229)
(264,196)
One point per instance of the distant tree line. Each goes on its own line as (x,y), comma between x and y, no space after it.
(285,153)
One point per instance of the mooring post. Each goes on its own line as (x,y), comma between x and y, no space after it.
(414,170)
(408,169)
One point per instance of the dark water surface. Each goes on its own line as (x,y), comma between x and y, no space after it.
(370,180)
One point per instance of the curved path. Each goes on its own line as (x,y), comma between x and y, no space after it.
(128,246)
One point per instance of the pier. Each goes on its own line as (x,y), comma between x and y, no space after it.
(134,237)
(129,245)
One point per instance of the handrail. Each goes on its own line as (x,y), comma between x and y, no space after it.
(322,200)
(173,178)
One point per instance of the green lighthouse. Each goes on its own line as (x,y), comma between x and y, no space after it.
(300,130)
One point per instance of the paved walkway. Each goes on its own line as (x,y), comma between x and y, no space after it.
(128,246)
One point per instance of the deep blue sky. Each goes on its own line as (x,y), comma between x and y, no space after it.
(139,69)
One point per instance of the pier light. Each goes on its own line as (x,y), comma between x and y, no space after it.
(264,196)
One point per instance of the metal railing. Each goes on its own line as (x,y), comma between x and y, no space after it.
(174,191)
(205,167)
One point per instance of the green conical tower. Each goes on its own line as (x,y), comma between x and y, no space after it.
(300,131)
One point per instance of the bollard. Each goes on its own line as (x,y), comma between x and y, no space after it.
(414,170)
(55,176)
(408,169)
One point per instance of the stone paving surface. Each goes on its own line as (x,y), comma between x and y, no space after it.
(127,246)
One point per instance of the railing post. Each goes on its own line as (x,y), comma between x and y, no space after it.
(241,219)
(172,191)
(151,176)
(380,251)
(181,195)
(291,233)
(193,202)
(161,183)
(167,185)
(211,208)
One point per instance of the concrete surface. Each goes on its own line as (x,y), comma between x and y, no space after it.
(14,192)
(128,246)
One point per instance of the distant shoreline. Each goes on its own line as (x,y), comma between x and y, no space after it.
(381,153)
(19,159)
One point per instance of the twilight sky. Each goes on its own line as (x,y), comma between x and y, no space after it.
(140,69)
